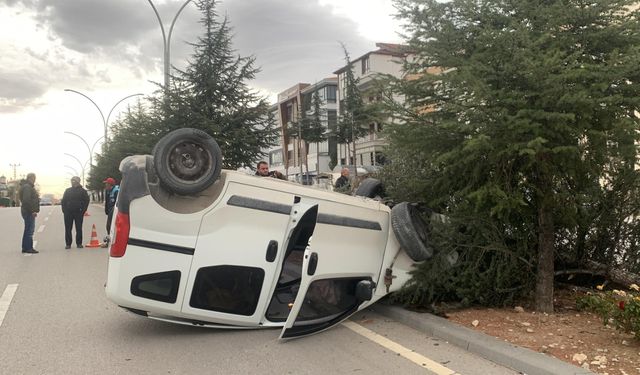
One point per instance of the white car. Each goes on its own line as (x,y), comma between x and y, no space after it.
(197,245)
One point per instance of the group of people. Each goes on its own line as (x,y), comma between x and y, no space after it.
(75,202)
(342,184)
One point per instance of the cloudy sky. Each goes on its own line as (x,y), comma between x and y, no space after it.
(109,49)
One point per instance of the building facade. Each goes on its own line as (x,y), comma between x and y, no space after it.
(386,60)
(295,157)
(298,159)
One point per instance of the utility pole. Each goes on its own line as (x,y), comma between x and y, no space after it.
(15,167)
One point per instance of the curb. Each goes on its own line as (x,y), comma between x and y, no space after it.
(503,353)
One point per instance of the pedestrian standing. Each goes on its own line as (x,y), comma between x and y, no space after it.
(343,184)
(110,197)
(29,208)
(75,202)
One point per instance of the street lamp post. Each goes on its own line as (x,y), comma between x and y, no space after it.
(82,167)
(167,40)
(105,121)
(89,149)
(75,171)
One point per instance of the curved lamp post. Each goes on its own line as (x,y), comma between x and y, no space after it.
(105,121)
(167,40)
(75,172)
(82,167)
(89,149)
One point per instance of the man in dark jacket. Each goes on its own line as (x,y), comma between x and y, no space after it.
(342,183)
(29,208)
(262,170)
(75,202)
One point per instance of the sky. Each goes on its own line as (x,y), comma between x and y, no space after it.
(108,50)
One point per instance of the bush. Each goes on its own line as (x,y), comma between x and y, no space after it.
(617,307)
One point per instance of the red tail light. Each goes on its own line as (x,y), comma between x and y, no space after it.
(119,244)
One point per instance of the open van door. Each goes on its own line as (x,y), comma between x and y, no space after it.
(340,263)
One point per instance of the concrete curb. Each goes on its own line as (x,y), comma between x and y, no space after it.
(503,353)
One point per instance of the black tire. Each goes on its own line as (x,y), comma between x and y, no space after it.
(370,188)
(411,231)
(187,161)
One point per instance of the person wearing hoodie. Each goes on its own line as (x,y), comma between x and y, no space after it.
(29,208)
(75,202)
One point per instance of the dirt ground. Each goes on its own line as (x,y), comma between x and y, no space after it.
(573,336)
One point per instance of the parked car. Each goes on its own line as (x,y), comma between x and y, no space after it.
(46,201)
(198,245)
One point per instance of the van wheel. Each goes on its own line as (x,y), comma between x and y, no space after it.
(187,161)
(411,231)
(370,188)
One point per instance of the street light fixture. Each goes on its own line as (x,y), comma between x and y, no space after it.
(167,40)
(105,122)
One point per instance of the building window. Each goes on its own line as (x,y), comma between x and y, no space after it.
(275,157)
(331,94)
(365,65)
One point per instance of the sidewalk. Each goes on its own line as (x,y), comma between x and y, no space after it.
(503,353)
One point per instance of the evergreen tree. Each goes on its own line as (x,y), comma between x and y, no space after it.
(212,94)
(310,124)
(515,114)
(354,117)
(316,125)
(134,132)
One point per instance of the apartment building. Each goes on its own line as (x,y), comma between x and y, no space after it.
(293,156)
(387,59)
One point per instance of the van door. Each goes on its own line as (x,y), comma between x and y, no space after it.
(238,256)
(339,266)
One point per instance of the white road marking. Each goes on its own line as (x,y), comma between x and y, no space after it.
(409,354)
(5,300)
(34,244)
(41,229)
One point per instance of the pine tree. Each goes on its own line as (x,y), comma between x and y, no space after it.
(212,94)
(315,126)
(516,113)
(354,116)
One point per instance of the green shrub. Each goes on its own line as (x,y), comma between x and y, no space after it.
(617,307)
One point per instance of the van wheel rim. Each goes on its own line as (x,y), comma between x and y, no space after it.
(189,161)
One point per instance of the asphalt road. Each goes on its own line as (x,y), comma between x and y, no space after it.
(56,319)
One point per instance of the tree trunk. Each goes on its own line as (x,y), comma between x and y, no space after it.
(545,274)
(355,161)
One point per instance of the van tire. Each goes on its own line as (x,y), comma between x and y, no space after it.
(370,188)
(411,231)
(187,161)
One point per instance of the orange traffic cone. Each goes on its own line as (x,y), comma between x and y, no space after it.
(94,238)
